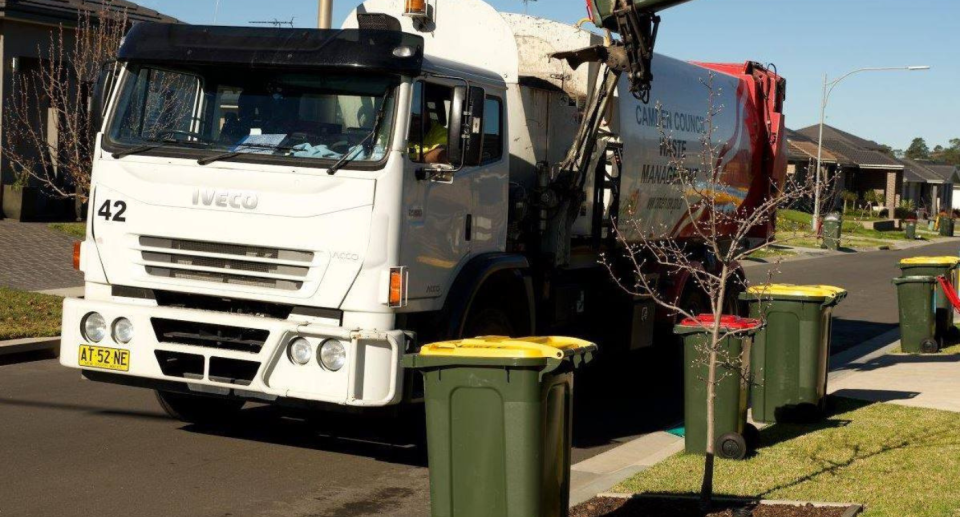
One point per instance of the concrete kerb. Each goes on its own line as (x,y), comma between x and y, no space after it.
(23,346)
(604,471)
(815,253)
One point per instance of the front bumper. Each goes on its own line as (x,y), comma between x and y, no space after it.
(372,375)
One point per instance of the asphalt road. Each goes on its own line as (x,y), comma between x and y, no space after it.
(74,448)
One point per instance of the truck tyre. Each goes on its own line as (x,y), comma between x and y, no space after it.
(488,320)
(195,409)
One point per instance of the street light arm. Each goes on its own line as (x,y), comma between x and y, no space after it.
(833,84)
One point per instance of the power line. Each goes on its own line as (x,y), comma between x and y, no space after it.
(276,23)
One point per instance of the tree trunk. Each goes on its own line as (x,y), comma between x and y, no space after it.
(706,488)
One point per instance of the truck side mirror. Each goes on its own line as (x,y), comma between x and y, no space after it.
(455,126)
(99,95)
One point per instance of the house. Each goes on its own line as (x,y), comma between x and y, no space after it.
(26,27)
(930,186)
(802,153)
(863,164)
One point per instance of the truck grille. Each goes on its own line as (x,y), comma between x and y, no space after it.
(209,335)
(254,266)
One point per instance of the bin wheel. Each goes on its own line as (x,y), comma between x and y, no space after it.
(195,409)
(732,446)
(929,346)
(751,435)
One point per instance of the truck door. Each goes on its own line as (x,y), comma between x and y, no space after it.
(436,210)
(450,219)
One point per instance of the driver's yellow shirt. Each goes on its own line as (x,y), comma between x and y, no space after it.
(434,138)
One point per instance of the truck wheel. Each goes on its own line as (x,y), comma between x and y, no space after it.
(488,321)
(695,302)
(195,409)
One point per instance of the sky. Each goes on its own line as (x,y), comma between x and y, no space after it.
(805,39)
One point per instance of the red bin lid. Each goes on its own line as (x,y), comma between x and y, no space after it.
(726,322)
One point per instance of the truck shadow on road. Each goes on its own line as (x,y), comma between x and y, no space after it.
(389,438)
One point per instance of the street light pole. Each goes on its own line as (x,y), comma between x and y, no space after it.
(828,87)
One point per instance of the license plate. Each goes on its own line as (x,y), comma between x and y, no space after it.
(105,358)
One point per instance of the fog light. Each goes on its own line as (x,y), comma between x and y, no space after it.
(333,355)
(300,351)
(94,327)
(122,330)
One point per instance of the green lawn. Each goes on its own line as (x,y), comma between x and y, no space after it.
(771,252)
(895,460)
(75,230)
(793,229)
(24,314)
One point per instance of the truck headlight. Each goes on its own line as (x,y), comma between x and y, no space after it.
(94,327)
(300,351)
(122,330)
(333,355)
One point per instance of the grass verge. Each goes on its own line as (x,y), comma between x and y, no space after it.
(895,460)
(75,230)
(24,314)
(772,252)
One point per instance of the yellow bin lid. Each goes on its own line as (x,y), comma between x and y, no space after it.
(805,291)
(930,261)
(550,347)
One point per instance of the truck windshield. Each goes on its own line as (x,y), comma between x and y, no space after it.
(244,113)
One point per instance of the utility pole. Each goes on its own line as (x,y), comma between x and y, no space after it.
(324,13)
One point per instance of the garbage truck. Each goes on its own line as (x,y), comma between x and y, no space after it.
(281,215)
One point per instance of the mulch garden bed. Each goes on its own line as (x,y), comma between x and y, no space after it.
(676,507)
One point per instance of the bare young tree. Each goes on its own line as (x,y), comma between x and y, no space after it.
(721,225)
(47,134)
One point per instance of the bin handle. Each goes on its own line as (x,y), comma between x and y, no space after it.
(834,300)
(951,293)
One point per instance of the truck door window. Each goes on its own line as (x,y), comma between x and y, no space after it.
(492,130)
(428,123)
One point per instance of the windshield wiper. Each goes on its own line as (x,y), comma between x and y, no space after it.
(149,147)
(349,157)
(237,152)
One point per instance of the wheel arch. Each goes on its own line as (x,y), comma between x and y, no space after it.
(510,272)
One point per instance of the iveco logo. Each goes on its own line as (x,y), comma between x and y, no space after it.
(225,198)
(345,255)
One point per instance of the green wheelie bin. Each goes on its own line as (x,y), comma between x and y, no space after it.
(935,266)
(946,226)
(832,229)
(910,229)
(917,297)
(790,357)
(499,414)
(734,437)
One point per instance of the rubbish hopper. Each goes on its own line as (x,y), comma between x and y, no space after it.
(910,229)
(734,436)
(832,226)
(790,357)
(499,415)
(936,266)
(917,297)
